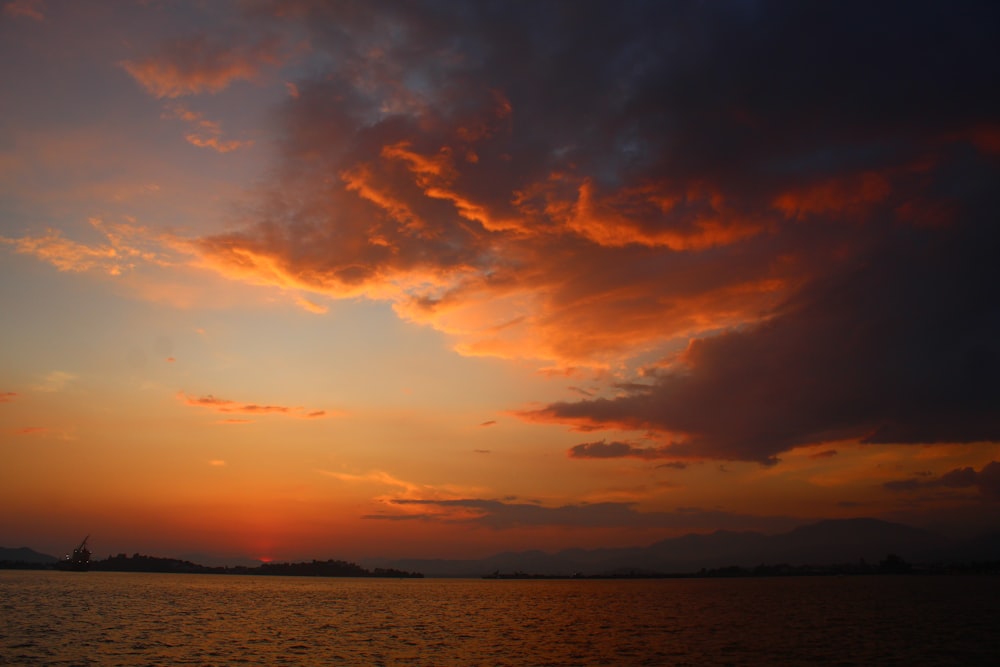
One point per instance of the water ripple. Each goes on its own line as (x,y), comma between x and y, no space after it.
(98,618)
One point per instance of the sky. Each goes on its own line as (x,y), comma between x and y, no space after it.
(284,279)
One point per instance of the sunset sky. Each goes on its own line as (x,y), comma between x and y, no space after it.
(295,280)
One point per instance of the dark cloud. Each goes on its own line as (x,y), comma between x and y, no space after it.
(898,346)
(506,514)
(804,191)
(603,449)
(987,480)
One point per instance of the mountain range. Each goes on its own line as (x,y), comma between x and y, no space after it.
(827,542)
(834,541)
(25,555)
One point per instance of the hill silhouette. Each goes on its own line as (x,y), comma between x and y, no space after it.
(24,558)
(857,545)
(834,541)
(25,555)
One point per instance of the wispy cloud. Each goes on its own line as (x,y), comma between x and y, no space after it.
(55,381)
(390,488)
(224,405)
(33,9)
(125,246)
(204,133)
(200,64)
(7,396)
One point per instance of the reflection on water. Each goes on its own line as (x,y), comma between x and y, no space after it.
(104,618)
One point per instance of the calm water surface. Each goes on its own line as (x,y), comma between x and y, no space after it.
(106,618)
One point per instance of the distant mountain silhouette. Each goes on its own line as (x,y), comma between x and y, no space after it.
(827,542)
(25,555)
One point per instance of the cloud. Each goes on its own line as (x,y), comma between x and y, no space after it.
(204,133)
(661,197)
(215,143)
(55,381)
(7,396)
(310,306)
(31,430)
(986,480)
(224,405)
(505,515)
(200,64)
(795,241)
(125,246)
(895,347)
(603,449)
(33,9)
(491,422)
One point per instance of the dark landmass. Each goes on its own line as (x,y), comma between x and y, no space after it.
(143,563)
(833,547)
(891,564)
(818,545)
(24,555)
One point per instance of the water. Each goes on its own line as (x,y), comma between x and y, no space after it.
(106,618)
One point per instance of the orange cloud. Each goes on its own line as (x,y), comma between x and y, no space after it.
(7,397)
(125,246)
(215,143)
(31,430)
(198,65)
(851,196)
(312,307)
(434,176)
(227,406)
(360,179)
(206,133)
(28,8)
(702,222)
